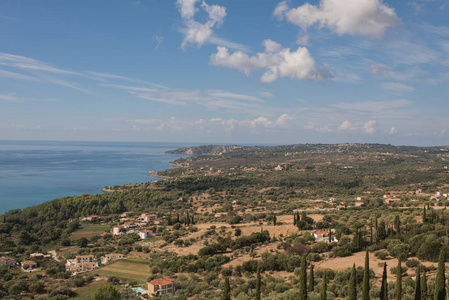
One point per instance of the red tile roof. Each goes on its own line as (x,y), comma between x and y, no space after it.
(162,281)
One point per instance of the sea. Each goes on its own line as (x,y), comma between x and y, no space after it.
(33,172)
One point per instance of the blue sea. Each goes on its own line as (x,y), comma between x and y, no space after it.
(32,172)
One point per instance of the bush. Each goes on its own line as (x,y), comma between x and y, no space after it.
(412,263)
(381,254)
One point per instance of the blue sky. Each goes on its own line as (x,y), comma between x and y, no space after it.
(271,72)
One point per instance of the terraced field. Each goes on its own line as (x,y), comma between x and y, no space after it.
(130,269)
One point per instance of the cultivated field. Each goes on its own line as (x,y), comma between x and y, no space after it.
(89,230)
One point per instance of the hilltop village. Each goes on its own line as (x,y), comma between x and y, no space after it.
(233,222)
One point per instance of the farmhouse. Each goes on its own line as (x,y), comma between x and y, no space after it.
(148,217)
(82,263)
(118,229)
(7,261)
(144,234)
(112,256)
(28,264)
(161,286)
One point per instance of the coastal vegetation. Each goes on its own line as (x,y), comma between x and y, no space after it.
(284,222)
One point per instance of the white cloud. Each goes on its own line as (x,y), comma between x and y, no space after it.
(277,62)
(368,18)
(27,63)
(391,131)
(346,125)
(445,62)
(397,87)
(377,69)
(158,39)
(197,33)
(368,127)
(8,98)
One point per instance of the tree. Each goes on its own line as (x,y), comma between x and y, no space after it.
(258,282)
(274,220)
(323,294)
(303,279)
(397,224)
(238,232)
(82,242)
(226,290)
(371,231)
(424,216)
(418,283)
(440,284)
(398,291)
(106,292)
(365,295)
(424,285)
(311,285)
(384,285)
(352,291)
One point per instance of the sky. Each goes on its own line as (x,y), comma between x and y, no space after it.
(243,72)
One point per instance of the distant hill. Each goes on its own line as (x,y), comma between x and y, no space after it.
(207,150)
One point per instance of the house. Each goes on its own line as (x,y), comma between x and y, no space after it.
(158,222)
(391,200)
(278,168)
(82,263)
(118,229)
(319,206)
(161,286)
(37,255)
(129,224)
(360,198)
(92,218)
(144,234)
(112,256)
(222,214)
(340,207)
(359,203)
(148,217)
(125,214)
(28,265)
(323,236)
(7,261)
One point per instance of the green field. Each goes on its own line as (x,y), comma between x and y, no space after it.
(89,230)
(131,269)
(86,291)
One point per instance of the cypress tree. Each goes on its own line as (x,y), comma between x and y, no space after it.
(424,285)
(274,220)
(226,290)
(323,294)
(352,291)
(397,224)
(398,292)
(440,284)
(330,235)
(311,285)
(294,219)
(384,286)
(365,295)
(418,283)
(424,216)
(303,279)
(371,232)
(258,282)
(377,236)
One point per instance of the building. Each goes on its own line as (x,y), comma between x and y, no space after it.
(144,234)
(323,236)
(28,265)
(148,217)
(92,218)
(37,255)
(7,261)
(112,256)
(118,229)
(359,203)
(82,263)
(161,286)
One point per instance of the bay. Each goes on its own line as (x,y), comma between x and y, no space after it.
(32,172)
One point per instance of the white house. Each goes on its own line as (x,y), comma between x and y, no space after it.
(144,234)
